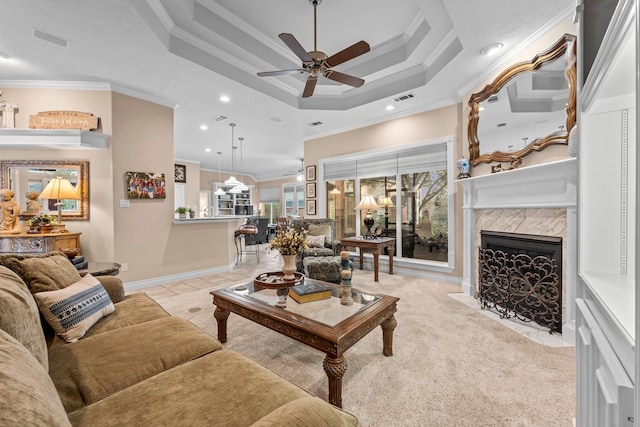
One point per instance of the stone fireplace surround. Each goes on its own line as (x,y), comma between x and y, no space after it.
(539,199)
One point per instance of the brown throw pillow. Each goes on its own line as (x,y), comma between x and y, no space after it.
(43,273)
(321,230)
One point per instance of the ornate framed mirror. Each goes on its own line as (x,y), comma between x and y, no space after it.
(23,176)
(528,107)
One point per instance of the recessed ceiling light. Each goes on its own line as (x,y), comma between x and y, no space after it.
(491,49)
(208,150)
(481,109)
(204,127)
(389,107)
(225,98)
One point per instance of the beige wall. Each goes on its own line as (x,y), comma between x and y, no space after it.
(429,125)
(549,154)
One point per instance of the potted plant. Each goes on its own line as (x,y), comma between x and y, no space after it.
(192,213)
(42,222)
(182,212)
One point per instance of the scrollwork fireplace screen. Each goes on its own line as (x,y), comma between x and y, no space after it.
(520,275)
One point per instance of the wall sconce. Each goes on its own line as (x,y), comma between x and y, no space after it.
(367,203)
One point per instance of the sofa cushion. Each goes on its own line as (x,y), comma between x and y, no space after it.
(73,310)
(315,241)
(28,397)
(95,367)
(321,230)
(222,388)
(43,273)
(19,315)
(307,411)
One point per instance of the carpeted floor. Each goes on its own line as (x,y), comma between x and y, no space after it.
(452,365)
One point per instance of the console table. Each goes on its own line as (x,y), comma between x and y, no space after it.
(375,245)
(35,244)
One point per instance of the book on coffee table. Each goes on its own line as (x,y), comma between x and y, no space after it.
(309,292)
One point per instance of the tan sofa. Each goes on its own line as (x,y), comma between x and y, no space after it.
(137,366)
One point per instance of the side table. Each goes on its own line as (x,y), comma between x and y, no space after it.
(375,245)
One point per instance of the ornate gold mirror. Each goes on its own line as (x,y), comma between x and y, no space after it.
(528,107)
(23,176)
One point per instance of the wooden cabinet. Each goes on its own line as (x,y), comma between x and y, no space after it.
(607,297)
(36,244)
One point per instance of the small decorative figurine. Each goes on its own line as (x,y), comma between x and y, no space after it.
(32,202)
(9,211)
(463,168)
(7,111)
(345,275)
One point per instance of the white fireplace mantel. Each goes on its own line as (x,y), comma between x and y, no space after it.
(548,185)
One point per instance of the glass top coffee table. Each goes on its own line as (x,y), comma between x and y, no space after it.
(326,325)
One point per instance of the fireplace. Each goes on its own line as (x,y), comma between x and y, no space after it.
(520,275)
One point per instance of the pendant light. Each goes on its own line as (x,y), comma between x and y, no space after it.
(219,191)
(240,187)
(232,179)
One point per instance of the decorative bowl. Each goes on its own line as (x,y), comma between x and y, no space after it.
(70,252)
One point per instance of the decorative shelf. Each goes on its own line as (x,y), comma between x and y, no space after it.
(53,138)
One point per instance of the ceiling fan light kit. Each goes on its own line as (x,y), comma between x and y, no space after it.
(317,63)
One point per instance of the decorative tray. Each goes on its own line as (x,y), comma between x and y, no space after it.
(275,280)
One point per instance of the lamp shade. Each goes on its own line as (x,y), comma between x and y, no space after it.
(368,202)
(59,188)
(386,202)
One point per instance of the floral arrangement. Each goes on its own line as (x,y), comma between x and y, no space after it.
(289,241)
(42,218)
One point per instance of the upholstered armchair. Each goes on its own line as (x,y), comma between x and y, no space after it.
(317,227)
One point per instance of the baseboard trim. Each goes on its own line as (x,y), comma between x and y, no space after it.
(163,280)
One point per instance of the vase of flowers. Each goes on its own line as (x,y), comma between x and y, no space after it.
(289,242)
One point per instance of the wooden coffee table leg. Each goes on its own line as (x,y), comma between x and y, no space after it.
(221,317)
(335,369)
(387,335)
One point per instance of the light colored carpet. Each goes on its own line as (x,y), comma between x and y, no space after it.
(452,365)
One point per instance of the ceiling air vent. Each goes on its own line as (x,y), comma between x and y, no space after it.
(404,97)
(49,38)
(315,124)
(501,125)
(276,119)
(220,118)
(492,99)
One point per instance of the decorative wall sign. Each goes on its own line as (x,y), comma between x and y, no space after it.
(63,120)
(311,207)
(180,173)
(145,185)
(311,173)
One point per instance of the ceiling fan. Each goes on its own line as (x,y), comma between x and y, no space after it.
(299,173)
(317,63)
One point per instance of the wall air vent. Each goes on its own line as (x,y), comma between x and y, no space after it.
(220,118)
(404,97)
(50,38)
(492,99)
(315,124)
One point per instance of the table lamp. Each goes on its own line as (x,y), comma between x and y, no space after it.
(367,203)
(387,203)
(58,189)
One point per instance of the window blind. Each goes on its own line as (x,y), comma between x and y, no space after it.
(270,195)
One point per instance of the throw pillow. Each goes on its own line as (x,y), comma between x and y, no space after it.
(73,310)
(42,272)
(315,241)
(321,230)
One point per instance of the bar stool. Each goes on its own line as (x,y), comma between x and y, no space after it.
(241,248)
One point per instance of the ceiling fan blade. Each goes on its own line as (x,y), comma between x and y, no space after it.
(295,46)
(309,87)
(351,52)
(343,78)
(280,72)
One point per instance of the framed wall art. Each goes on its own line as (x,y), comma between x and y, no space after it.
(180,173)
(311,190)
(145,185)
(311,207)
(311,173)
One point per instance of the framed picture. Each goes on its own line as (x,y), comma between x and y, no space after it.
(180,173)
(311,207)
(145,185)
(311,173)
(311,190)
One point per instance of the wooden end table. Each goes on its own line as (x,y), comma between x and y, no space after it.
(325,325)
(376,245)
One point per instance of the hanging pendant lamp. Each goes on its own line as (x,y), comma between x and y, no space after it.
(219,191)
(232,179)
(240,187)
